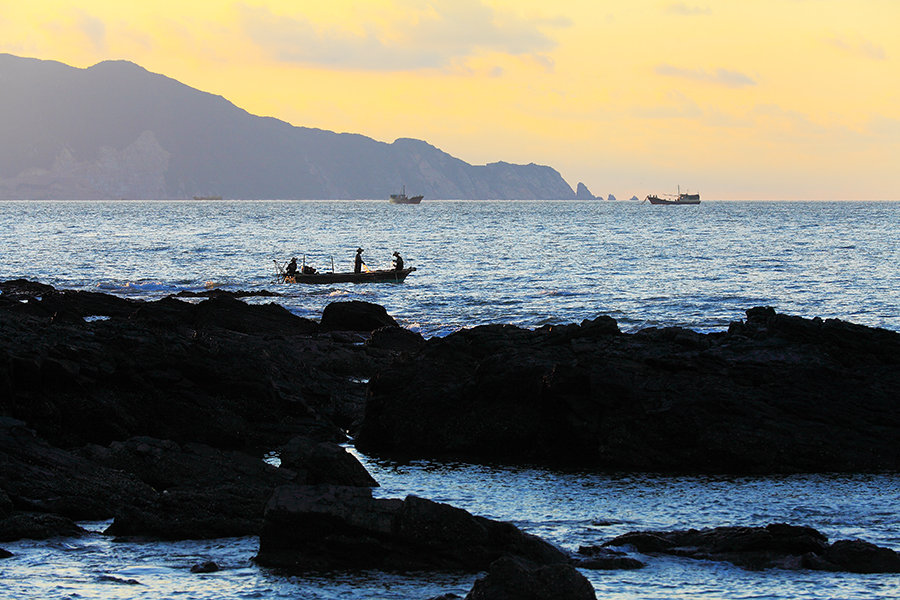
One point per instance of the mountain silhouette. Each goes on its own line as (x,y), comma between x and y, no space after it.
(116,130)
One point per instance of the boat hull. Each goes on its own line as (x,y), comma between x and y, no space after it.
(381,276)
(406,199)
(682,199)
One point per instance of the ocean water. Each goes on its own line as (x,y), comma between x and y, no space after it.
(527,263)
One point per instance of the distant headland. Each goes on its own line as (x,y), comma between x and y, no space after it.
(118,131)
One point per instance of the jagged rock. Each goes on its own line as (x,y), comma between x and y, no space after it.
(317,462)
(39,478)
(314,528)
(775,545)
(355,316)
(516,579)
(37,526)
(198,491)
(769,395)
(395,338)
(605,559)
(220,372)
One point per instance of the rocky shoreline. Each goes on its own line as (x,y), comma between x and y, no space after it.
(157,415)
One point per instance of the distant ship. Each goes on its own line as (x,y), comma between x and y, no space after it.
(207,197)
(674,198)
(402,198)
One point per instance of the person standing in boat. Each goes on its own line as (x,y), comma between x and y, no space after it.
(398,262)
(291,268)
(358,263)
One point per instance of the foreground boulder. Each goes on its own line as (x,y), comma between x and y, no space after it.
(355,316)
(203,492)
(775,545)
(775,393)
(516,579)
(82,367)
(317,528)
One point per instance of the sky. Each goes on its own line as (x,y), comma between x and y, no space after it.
(737,100)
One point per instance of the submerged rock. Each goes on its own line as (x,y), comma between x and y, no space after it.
(317,528)
(205,567)
(776,545)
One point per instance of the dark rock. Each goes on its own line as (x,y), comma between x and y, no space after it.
(17,290)
(37,477)
(355,316)
(776,545)
(198,491)
(516,579)
(857,556)
(230,313)
(318,462)
(233,294)
(6,505)
(220,372)
(396,338)
(118,580)
(205,567)
(774,394)
(605,559)
(5,553)
(335,527)
(37,526)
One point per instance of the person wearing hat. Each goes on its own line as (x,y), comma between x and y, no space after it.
(398,262)
(291,268)
(358,264)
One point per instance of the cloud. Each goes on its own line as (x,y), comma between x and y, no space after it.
(885,127)
(682,9)
(435,34)
(93,28)
(679,107)
(859,47)
(726,77)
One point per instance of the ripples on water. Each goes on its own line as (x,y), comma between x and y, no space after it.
(526,263)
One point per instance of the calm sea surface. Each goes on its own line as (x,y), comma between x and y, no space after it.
(527,263)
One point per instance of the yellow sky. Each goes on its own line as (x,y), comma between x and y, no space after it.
(743,99)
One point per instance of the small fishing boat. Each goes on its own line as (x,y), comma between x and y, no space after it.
(379,276)
(402,198)
(307,274)
(679,198)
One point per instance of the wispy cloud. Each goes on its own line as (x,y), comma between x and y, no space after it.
(726,77)
(682,9)
(447,31)
(93,28)
(859,47)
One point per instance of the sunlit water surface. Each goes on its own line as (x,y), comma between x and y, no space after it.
(527,263)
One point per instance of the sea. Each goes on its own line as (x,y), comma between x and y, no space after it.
(526,263)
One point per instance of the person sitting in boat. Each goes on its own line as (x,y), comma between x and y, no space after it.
(398,262)
(291,268)
(308,270)
(358,263)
